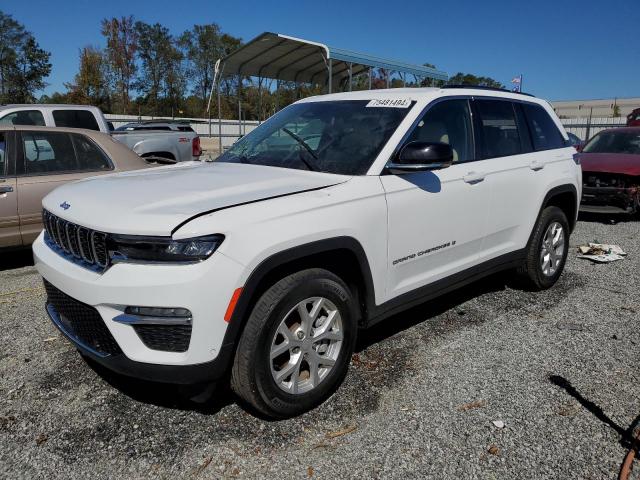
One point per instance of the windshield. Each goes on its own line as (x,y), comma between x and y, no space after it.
(614,142)
(342,137)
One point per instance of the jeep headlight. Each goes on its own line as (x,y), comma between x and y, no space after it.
(162,249)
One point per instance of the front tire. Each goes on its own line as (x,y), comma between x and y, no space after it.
(296,347)
(546,252)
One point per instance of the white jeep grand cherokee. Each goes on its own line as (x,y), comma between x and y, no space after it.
(336,213)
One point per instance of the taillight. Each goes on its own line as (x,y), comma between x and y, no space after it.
(196,150)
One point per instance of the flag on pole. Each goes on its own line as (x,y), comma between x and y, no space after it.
(517,83)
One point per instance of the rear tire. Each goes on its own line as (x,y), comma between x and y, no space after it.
(546,252)
(288,361)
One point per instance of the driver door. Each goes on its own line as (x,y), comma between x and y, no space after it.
(437,219)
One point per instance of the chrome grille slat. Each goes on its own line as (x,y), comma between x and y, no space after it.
(84,237)
(72,238)
(99,248)
(80,244)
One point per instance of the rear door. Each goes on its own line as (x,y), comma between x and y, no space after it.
(47,160)
(9,222)
(516,173)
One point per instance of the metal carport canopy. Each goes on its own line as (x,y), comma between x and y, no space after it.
(281,57)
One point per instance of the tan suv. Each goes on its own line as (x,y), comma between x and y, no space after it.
(35,160)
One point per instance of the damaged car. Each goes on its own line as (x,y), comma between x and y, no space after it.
(611,172)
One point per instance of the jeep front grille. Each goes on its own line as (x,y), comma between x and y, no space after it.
(79,244)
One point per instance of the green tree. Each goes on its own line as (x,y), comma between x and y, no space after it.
(469,79)
(154,51)
(23,64)
(122,43)
(203,46)
(90,85)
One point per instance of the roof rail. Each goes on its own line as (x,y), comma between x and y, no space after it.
(484,87)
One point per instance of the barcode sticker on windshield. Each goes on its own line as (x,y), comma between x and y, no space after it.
(390,103)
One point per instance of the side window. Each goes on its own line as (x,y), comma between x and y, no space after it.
(48,153)
(545,134)
(90,156)
(3,154)
(498,128)
(448,122)
(75,119)
(25,117)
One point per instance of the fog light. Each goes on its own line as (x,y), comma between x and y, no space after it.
(155,316)
(158,311)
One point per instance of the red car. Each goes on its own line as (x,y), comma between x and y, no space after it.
(611,171)
(633,119)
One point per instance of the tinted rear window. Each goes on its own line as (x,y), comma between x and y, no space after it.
(544,133)
(75,119)
(498,128)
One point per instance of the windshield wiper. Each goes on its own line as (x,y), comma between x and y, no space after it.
(306,147)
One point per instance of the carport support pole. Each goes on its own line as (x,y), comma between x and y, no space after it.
(370,75)
(350,74)
(330,74)
(277,94)
(239,105)
(259,100)
(219,117)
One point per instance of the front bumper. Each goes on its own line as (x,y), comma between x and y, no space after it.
(205,289)
(609,199)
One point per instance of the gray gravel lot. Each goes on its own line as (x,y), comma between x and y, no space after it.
(559,368)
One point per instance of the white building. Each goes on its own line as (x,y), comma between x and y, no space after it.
(601,108)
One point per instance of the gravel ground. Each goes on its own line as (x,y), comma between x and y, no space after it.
(558,368)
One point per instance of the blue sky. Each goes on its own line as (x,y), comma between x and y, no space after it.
(566,49)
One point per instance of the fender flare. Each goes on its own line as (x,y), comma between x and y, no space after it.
(241,310)
(565,188)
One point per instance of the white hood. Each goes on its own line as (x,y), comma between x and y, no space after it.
(155,201)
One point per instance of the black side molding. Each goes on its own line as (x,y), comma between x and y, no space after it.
(445,285)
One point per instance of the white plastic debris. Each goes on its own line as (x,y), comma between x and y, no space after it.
(498,423)
(601,252)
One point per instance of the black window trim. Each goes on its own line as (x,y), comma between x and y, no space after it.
(521,102)
(9,155)
(423,112)
(23,171)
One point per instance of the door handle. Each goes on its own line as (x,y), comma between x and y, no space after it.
(473,177)
(536,165)
(6,189)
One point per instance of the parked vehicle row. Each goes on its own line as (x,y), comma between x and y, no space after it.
(338,212)
(611,171)
(179,143)
(35,160)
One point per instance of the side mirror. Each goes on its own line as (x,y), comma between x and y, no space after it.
(579,146)
(422,156)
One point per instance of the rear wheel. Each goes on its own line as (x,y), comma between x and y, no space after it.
(296,346)
(547,250)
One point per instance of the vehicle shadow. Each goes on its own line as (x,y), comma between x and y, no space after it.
(19,258)
(607,218)
(431,309)
(207,399)
(210,399)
